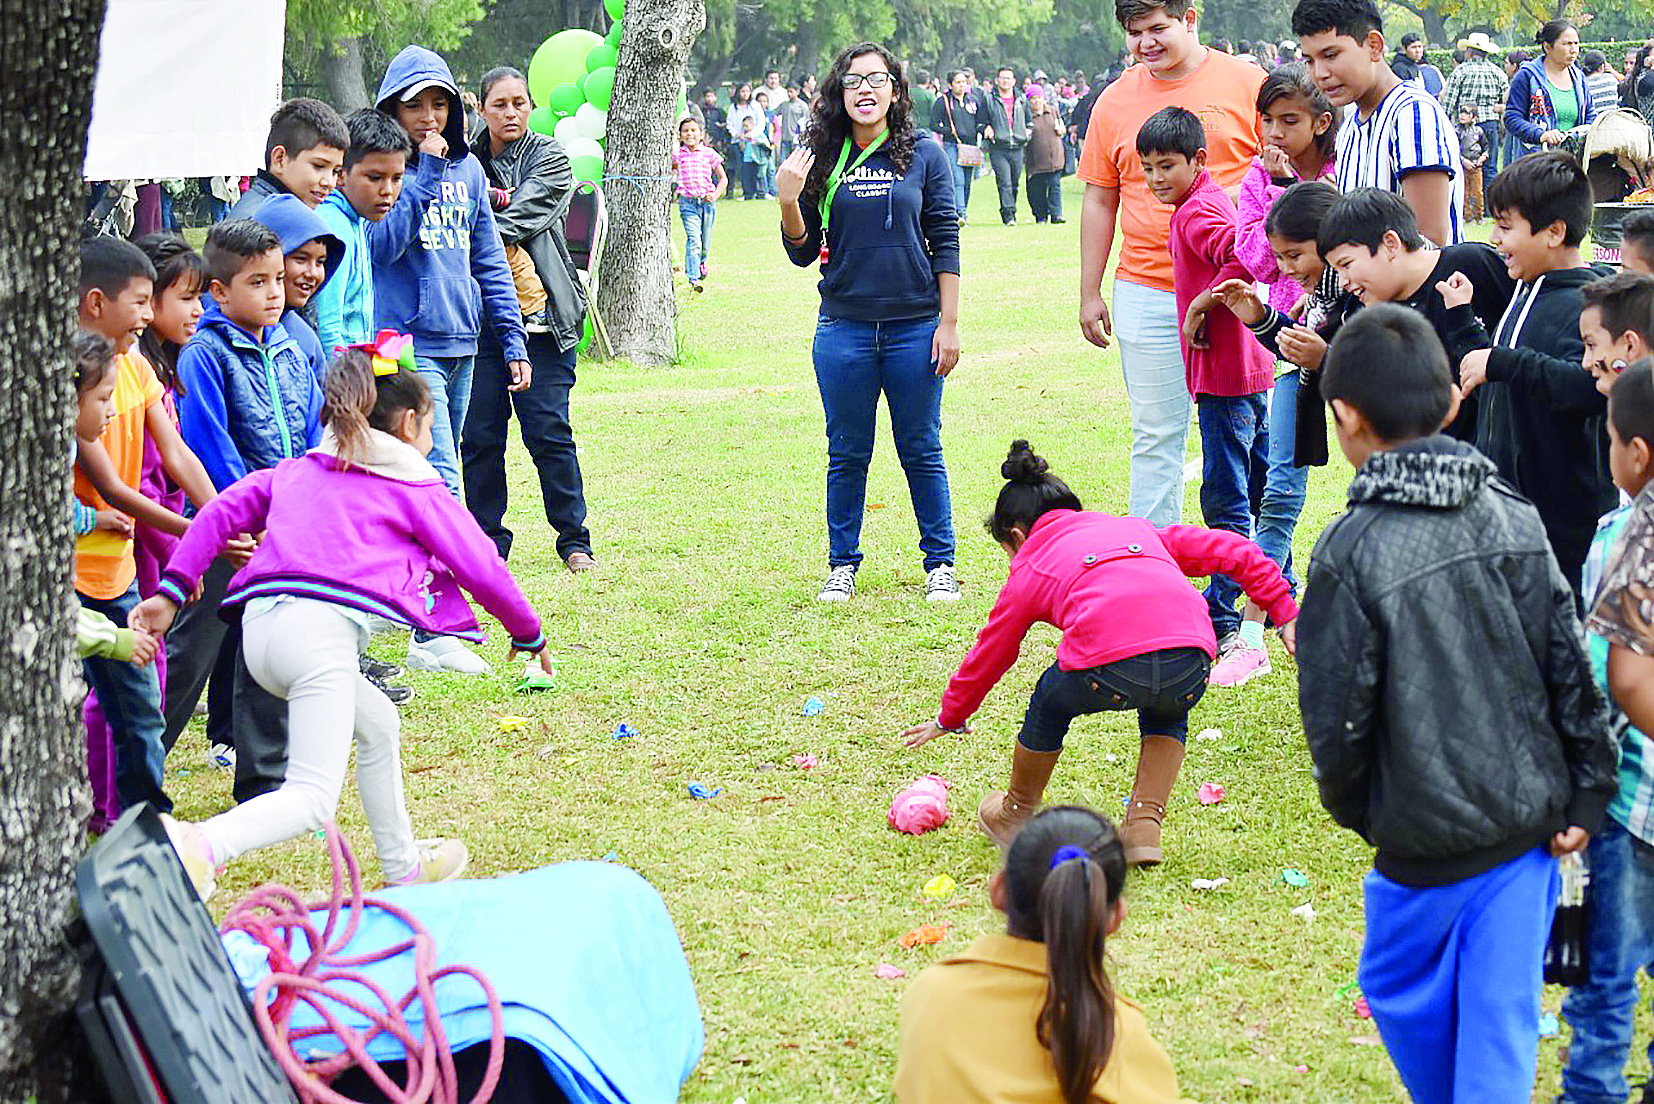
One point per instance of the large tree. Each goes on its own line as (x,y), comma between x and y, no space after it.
(49,55)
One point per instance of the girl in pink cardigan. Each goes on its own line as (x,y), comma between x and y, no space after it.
(1135,635)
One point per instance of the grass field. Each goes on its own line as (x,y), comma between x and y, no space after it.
(700,631)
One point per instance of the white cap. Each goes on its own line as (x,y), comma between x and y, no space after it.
(409,93)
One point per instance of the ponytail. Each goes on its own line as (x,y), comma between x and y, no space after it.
(356,398)
(1064,874)
(1030,491)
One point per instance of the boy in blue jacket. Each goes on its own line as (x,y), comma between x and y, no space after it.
(375,164)
(438,267)
(310,253)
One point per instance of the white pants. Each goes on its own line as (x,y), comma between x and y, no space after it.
(305,651)
(1147,325)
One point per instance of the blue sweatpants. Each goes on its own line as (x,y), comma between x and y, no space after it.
(1452,974)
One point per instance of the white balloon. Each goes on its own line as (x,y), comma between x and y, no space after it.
(580,145)
(566,129)
(593,120)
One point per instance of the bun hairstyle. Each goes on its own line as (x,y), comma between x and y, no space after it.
(355,400)
(1550,32)
(1030,491)
(1064,874)
(94,359)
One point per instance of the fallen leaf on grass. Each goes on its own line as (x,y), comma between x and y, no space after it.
(924,933)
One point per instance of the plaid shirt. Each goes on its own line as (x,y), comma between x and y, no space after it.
(1480,83)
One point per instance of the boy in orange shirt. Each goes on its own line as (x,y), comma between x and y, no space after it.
(1175,70)
(116,282)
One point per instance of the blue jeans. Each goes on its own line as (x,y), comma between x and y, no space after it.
(1490,131)
(961,178)
(449,379)
(1452,974)
(131,700)
(1234,435)
(1147,323)
(1162,686)
(1284,482)
(1045,195)
(1601,1012)
(854,363)
(698,215)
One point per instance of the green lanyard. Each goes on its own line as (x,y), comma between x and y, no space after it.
(837,177)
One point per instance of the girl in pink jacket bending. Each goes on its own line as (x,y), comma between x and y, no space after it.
(1135,635)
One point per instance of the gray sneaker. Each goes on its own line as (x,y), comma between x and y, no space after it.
(840,585)
(940,585)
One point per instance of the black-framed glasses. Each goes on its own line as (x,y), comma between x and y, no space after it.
(853,81)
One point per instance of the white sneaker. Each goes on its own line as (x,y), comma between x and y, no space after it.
(940,585)
(445,653)
(440,860)
(221,757)
(840,585)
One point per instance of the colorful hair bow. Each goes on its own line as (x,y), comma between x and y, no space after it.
(391,352)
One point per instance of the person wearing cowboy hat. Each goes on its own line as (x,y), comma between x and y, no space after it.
(1483,85)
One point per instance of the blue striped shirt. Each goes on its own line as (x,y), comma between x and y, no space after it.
(1408,132)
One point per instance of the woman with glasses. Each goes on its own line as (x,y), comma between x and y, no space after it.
(875,207)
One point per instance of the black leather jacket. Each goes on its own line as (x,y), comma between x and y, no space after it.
(538,171)
(1442,677)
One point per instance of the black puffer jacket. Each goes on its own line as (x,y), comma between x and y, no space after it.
(1442,676)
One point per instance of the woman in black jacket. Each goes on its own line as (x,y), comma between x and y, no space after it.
(531,183)
(954,119)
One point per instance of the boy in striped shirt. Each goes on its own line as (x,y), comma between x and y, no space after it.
(1399,138)
(701,180)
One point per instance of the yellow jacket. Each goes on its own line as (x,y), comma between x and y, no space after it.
(968,1036)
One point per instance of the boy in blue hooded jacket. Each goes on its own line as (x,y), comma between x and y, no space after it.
(310,253)
(438,267)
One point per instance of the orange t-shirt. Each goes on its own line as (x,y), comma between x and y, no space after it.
(1223,91)
(104,566)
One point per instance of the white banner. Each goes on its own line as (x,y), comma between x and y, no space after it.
(185,88)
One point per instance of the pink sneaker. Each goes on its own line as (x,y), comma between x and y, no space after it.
(1239,666)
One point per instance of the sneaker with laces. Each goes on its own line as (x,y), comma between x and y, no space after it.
(445,653)
(1241,665)
(221,757)
(840,585)
(537,322)
(377,670)
(440,860)
(940,585)
(194,853)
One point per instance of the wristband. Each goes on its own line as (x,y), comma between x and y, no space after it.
(963,729)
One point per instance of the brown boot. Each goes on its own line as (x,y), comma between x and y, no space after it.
(1158,761)
(1002,812)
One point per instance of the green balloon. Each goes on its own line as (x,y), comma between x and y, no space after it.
(613,37)
(561,59)
(585,336)
(601,56)
(614,8)
(600,86)
(542,120)
(587,168)
(566,99)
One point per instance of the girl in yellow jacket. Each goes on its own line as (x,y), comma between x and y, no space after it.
(1030,1017)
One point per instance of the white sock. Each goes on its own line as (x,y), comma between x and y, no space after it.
(1251,633)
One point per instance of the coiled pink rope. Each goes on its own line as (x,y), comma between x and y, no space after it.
(274,914)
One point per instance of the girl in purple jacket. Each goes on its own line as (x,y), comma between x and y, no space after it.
(361,527)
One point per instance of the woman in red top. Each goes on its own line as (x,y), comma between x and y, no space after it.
(1136,635)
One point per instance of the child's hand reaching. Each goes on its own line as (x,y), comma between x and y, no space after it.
(1241,300)
(1289,637)
(115,522)
(1302,346)
(144,647)
(543,655)
(153,617)
(924,733)
(1456,291)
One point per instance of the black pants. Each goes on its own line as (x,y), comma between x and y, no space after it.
(1045,195)
(252,720)
(543,418)
(1162,686)
(1007,164)
(750,173)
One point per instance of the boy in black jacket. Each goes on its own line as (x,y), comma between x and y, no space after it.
(1541,418)
(1451,715)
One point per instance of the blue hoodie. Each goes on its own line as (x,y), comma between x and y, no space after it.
(249,402)
(296,224)
(344,305)
(438,262)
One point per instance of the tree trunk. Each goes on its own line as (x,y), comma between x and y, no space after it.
(49,53)
(635,292)
(342,67)
(1435,26)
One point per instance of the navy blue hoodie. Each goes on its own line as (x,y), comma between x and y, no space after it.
(890,234)
(438,264)
(295,224)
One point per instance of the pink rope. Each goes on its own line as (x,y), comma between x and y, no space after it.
(274,914)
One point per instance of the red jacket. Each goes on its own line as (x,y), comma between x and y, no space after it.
(1116,587)
(1203,255)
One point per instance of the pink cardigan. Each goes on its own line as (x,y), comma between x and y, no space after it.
(1203,255)
(1116,587)
(1257,195)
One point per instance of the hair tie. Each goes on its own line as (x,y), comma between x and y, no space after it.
(1068,851)
(390,352)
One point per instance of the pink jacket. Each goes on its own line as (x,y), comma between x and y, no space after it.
(1116,587)
(1257,195)
(1203,255)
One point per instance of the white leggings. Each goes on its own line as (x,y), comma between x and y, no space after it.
(305,651)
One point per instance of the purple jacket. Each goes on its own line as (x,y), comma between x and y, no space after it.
(1257,195)
(383,536)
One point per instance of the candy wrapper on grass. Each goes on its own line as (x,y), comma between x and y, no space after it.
(923,805)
